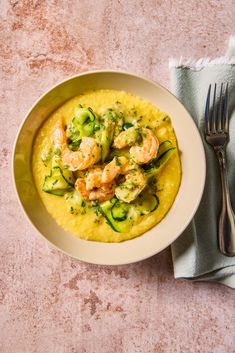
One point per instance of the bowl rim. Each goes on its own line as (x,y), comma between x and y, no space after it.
(150,81)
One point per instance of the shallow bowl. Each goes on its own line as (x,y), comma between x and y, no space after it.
(186,202)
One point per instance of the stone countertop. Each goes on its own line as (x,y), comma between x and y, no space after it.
(50,303)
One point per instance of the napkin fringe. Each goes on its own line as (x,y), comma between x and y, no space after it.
(199,64)
(196,65)
(231,42)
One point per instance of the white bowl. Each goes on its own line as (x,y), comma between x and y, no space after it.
(186,202)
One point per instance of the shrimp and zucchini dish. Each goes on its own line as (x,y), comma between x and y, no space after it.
(106,165)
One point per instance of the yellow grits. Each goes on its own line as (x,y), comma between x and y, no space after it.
(89,226)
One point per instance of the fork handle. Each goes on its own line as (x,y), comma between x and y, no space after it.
(226,233)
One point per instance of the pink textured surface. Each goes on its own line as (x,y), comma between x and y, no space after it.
(50,303)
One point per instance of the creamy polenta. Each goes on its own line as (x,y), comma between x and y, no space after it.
(106,165)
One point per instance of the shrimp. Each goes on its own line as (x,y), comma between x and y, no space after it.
(89,151)
(58,137)
(114,168)
(94,178)
(102,193)
(99,183)
(133,185)
(135,180)
(148,150)
(127,138)
(143,153)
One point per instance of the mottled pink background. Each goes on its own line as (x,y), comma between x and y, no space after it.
(50,303)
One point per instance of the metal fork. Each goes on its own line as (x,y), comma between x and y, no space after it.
(217,135)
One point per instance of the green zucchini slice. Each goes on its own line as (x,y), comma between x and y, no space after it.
(74,201)
(105,136)
(55,183)
(166,150)
(82,125)
(127,126)
(164,147)
(120,211)
(67,174)
(146,203)
(117,225)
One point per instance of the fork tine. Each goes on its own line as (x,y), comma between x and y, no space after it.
(214,112)
(207,111)
(225,111)
(220,111)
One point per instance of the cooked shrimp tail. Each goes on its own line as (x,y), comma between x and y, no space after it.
(59,136)
(143,141)
(88,154)
(103,193)
(114,168)
(147,150)
(133,185)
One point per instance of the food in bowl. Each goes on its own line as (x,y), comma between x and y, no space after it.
(106,165)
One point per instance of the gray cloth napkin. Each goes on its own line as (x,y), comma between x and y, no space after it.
(195,253)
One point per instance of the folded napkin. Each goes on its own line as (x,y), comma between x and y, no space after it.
(195,253)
